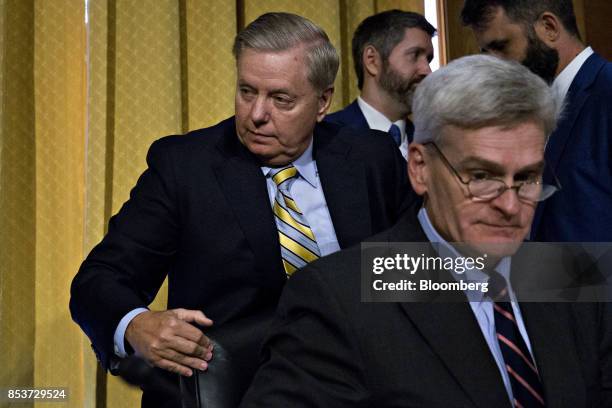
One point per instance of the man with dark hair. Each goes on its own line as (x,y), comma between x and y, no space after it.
(543,35)
(391,52)
(227,213)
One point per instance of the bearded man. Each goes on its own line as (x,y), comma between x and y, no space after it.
(391,52)
(544,37)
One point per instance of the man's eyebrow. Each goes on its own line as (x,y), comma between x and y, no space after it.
(495,45)
(535,167)
(416,49)
(419,50)
(271,92)
(471,161)
(280,91)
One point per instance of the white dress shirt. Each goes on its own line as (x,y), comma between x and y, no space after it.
(565,78)
(378,121)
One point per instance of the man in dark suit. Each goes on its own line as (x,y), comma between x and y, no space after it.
(543,35)
(228,212)
(481,126)
(391,53)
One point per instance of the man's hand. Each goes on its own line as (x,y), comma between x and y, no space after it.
(168,340)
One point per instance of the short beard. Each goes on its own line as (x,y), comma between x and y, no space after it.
(541,59)
(400,89)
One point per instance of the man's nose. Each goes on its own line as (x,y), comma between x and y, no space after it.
(259,111)
(508,202)
(424,68)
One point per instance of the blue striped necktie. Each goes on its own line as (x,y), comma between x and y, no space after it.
(298,243)
(524,377)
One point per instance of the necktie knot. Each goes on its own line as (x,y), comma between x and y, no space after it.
(396,134)
(498,288)
(284,176)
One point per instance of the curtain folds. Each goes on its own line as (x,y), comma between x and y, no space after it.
(86,86)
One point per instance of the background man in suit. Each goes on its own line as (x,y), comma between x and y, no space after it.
(229,211)
(543,35)
(481,126)
(391,52)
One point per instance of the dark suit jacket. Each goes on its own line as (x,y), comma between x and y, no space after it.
(349,116)
(201,215)
(329,349)
(580,153)
(353,116)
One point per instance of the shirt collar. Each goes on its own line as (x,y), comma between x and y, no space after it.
(564,80)
(305,166)
(377,120)
(447,250)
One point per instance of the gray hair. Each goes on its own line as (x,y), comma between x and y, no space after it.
(478,91)
(276,32)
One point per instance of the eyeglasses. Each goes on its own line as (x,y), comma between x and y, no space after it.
(489,188)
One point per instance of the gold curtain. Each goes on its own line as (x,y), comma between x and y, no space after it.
(81,102)
(41,167)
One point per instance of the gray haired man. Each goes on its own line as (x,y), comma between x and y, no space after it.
(227,213)
(477,159)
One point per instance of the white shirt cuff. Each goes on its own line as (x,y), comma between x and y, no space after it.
(120,331)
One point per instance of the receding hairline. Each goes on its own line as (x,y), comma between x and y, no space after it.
(305,45)
(279,32)
(478,91)
(290,30)
(502,123)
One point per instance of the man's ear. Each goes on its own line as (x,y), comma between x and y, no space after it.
(548,28)
(418,168)
(325,101)
(372,62)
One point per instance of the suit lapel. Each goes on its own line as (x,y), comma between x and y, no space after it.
(555,355)
(344,185)
(242,181)
(359,120)
(454,335)
(456,338)
(549,328)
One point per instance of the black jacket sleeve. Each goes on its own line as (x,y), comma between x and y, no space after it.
(127,268)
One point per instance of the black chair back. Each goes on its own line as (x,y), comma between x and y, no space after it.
(235,360)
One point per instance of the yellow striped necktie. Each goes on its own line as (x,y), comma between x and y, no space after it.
(298,243)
